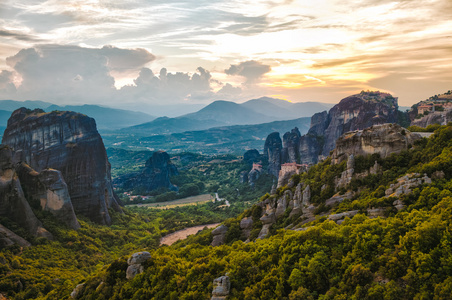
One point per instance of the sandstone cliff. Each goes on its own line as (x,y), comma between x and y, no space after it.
(156,174)
(49,190)
(438,117)
(68,142)
(356,113)
(291,146)
(352,113)
(13,204)
(252,156)
(273,153)
(383,139)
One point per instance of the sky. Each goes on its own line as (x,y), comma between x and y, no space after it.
(131,52)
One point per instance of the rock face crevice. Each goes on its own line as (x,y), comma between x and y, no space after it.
(67,142)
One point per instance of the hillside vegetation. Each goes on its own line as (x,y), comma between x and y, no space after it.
(406,254)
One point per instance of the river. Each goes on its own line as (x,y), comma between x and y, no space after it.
(182,234)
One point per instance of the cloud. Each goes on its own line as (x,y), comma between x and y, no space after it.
(169,88)
(229,92)
(70,73)
(252,70)
(6,82)
(124,59)
(18,36)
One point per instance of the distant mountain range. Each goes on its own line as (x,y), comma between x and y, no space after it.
(106,117)
(224,113)
(230,113)
(12,105)
(225,139)
(285,110)
(217,114)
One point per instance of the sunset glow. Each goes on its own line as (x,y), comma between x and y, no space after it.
(301,50)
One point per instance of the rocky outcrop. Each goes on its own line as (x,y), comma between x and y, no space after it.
(358,112)
(347,175)
(246,225)
(68,142)
(253,159)
(78,291)
(437,117)
(135,264)
(405,184)
(310,148)
(383,139)
(9,238)
(156,174)
(273,153)
(291,146)
(13,204)
(49,189)
(219,235)
(254,174)
(340,216)
(352,113)
(251,156)
(221,288)
(287,171)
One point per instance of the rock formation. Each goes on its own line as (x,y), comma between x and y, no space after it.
(221,288)
(49,189)
(383,139)
(78,291)
(287,171)
(13,204)
(347,175)
(273,153)
(254,174)
(156,174)
(246,224)
(135,263)
(406,183)
(219,235)
(352,113)
(253,159)
(68,142)
(291,146)
(437,117)
(9,238)
(356,113)
(251,156)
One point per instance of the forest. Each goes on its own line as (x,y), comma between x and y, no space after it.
(405,254)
